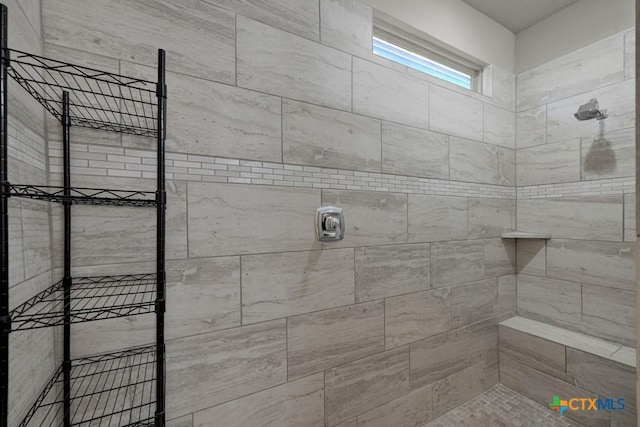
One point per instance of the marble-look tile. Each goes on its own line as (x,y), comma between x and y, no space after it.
(531,127)
(507,294)
(387,94)
(587,218)
(462,386)
(411,410)
(540,387)
(473,161)
(549,164)
(386,271)
(499,257)
(618,99)
(456,262)
(597,263)
(474,302)
(499,126)
(186,421)
(324,339)
(437,218)
(286,284)
(454,114)
(413,317)
(223,219)
(209,369)
(609,156)
(298,403)
(503,87)
(16,245)
(414,152)
(347,25)
(351,423)
(371,218)
(630,54)
(361,386)
(36,244)
(491,217)
(300,17)
(279,63)
(537,353)
(506,166)
(531,257)
(439,356)
(593,66)
(549,300)
(630,217)
(626,356)
(178,27)
(602,376)
(609,313)
(329,138)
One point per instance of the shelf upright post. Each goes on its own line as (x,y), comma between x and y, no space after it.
(66,280)
(161,199)
(5,318)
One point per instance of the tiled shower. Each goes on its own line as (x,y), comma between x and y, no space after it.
(278,108)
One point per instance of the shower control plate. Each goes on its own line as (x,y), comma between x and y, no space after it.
(329,224)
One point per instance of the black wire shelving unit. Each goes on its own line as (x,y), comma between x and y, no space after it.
(124,388)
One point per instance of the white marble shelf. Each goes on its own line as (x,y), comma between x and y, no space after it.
(524,235)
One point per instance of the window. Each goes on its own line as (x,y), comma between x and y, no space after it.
(411,51)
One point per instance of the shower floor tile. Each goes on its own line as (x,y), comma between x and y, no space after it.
(501,407)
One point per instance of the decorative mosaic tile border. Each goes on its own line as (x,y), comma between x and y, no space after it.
(583,188)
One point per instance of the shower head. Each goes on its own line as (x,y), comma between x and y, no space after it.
(591,110)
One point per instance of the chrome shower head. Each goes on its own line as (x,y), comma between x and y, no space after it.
(591,110)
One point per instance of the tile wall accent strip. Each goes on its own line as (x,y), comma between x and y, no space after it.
(599,187)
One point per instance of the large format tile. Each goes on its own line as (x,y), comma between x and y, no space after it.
(506,166)
(473,161)
(537,353)
(414,152)
(321,340)
(503,87)
(609,313)
(630,54)
(360,386)
(387,94)
(456,262)
(347,25)
(491,217)
(36,243)
(549,163)
(587,218)
(531,127)
(144,26)
(618,99)
(499,126)
(386,271)
(474,302)
(630,217)
(609,156)
(437,218)
(300,17)
(499,257)
(371,218)
(209,369)
(454,113)
(413,317)
(223,219)
(549,300)
(531,257)
(598,263)
(507,302)
(329,138)
(411,410)
(593,66)
(279,63)
(298,403)
(286,284)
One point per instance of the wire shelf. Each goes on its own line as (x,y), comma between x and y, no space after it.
(115,389)
(98,99)
(92,298)
(85,196)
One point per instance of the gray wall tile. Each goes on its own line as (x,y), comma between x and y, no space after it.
(279,63)
(298,403)
(473,161)
(454,114)
(208,369)
(329,138)
(598,263)
(531,127)
(347,25)
(532,257)
(456,262)
(474,302)
(499,257)
(386,271)
(499,126)
(387,94)
(503,87)
(507,295)
(537,353)
(413,317)
(609,156)
(186,421)
(491,217)
(321,340)
(413,409)
(360,386)
(609,313)
(549,300)
(286,284)
(629,217)
(506,166)
(414,152)
(437,218)
(550,163)
(587,218)
(630,54)
(215,210)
